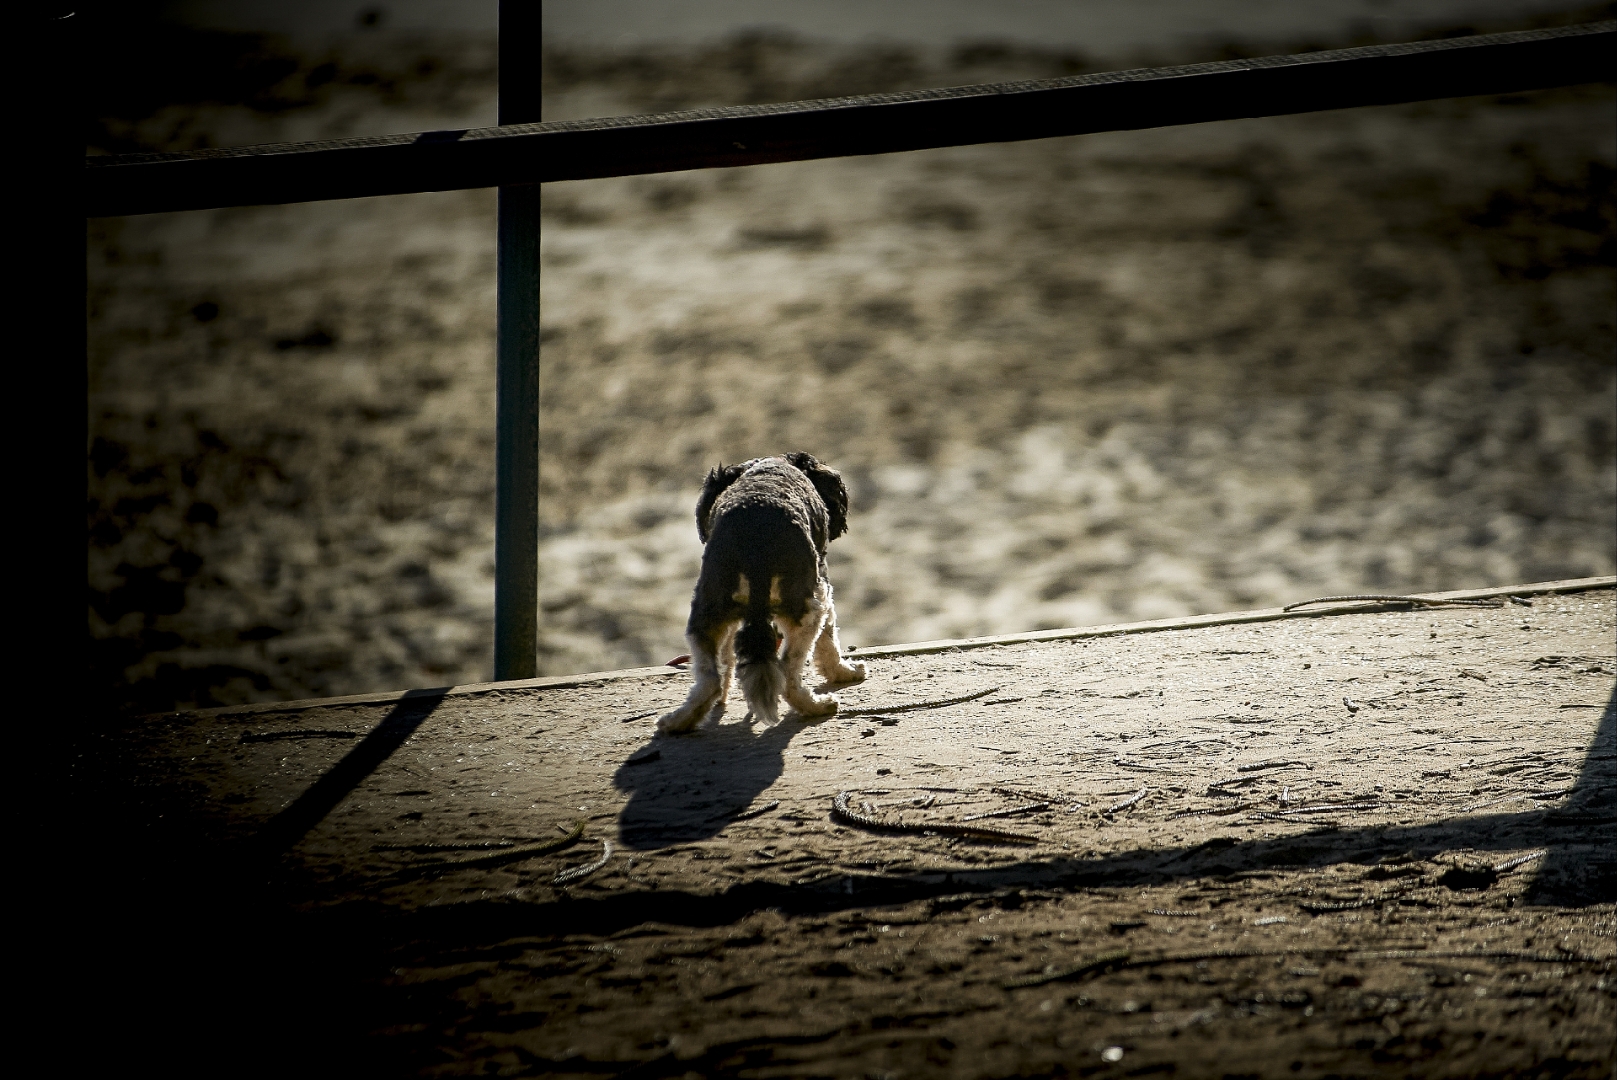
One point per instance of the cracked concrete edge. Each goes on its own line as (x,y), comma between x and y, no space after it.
(1190,622)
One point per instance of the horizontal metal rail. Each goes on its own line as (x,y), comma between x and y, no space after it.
(796,131)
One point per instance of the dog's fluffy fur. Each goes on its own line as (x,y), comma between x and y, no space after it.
(762,602)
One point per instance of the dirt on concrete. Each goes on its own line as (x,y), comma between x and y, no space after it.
(1368,843)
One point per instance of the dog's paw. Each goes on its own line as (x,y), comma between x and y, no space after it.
(677,722)
(817,708)
(847,674)
(844,674)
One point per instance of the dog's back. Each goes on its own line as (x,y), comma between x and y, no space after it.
(766,542)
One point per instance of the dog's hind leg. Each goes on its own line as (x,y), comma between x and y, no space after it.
(727,666)
(828,649)
(710,684)
(801,636)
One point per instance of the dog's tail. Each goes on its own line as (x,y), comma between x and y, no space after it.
(758,664)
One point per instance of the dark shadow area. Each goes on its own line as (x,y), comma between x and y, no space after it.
(1573,881)
(697,783)
(1592,802)
(295,736)
(208,973)
(211,956)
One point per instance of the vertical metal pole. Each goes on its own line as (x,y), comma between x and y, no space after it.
(516,473)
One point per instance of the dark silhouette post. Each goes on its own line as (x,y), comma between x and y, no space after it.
(516,478)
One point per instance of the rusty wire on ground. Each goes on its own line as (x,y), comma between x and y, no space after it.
(913,706)
(848,815)
(579,873)
(1426,600)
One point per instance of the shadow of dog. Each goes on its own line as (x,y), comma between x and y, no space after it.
(683,789)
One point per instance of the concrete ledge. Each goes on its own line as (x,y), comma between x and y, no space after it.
(564,682)
(389,697)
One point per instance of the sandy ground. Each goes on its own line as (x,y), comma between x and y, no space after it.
(1375,843)
(1070,382)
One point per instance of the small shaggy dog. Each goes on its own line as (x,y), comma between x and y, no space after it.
(766,524)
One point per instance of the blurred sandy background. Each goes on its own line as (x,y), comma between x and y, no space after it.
(1073,381)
